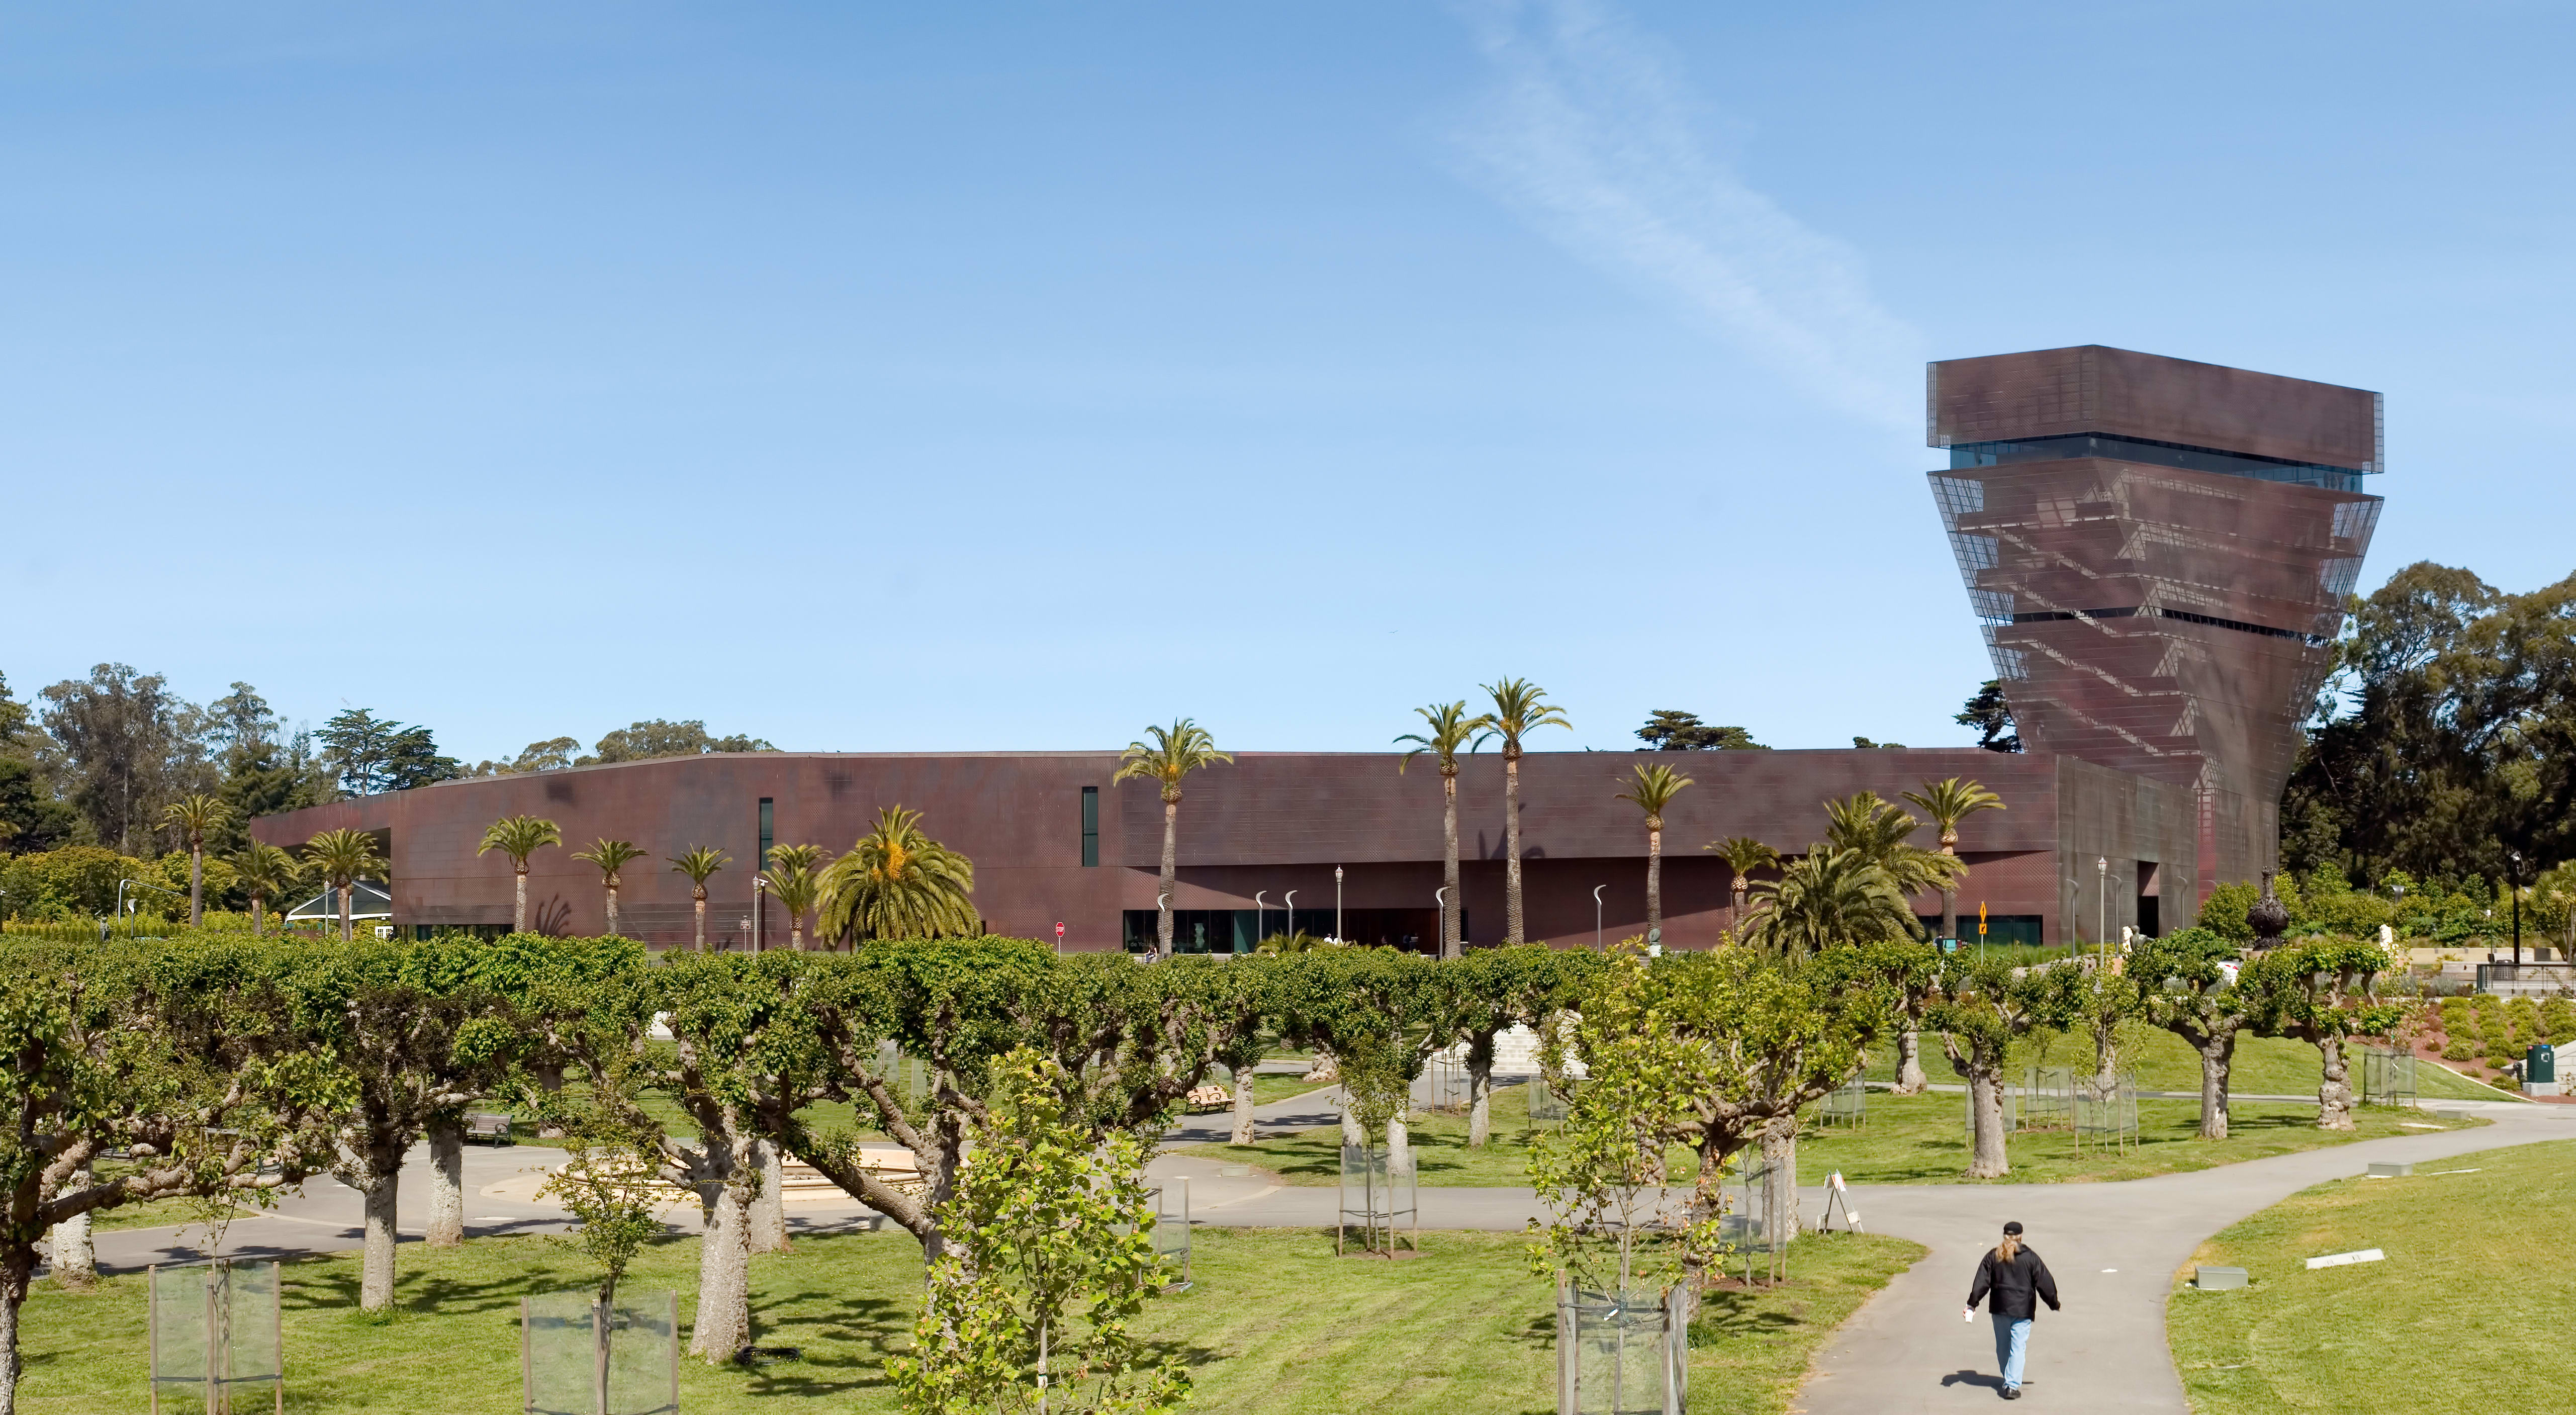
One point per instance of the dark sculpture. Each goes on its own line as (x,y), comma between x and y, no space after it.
(2268,917)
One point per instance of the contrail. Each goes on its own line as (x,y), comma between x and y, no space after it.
(1587,134)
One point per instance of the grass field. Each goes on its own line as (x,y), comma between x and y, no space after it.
(1908,1140)
(2264,1066)
(1276,1325)
(2468,1311)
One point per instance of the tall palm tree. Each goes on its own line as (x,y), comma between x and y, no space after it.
(519,837)
(1177,751)
(700,865)
(1653,788)
(897,882)
(1450,731)
(1519,706)
(1743,855)
(264,871)
(341,858)
(1948,803)
(192,817)
(1826,897)
(612,857)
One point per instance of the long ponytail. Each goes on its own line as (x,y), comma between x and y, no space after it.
(2009,1249)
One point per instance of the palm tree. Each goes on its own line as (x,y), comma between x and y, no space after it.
(1451,731)
(341,858)
(1743,855)
(898,883)
(519,837)
(1948,803)
(192,817)
(264,870)
(700,864)
(795,879)
(612,857)
(1826,897)
(1653,788)
(1519,706)
(1177,751)
(1879,831)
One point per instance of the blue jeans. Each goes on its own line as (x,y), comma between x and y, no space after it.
(2012,1340)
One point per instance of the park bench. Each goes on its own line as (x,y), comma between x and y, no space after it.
(489,1130)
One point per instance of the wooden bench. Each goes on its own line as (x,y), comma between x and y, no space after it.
(489,1130)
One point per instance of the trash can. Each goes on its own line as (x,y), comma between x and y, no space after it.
(2540,1070)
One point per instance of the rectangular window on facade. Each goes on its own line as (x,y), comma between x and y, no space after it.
(768,836)
(1091,825)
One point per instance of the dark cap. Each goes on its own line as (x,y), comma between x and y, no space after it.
(2013,1227)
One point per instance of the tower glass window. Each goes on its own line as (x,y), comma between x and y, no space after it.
(1091,825)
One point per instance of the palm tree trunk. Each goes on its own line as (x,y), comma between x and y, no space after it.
(1735,916)
(1171,873)
(255,901)
(1655,884)
(1512,847)
(699,898)
(196,881)
(347,888)
(613,931)
(1449,867)
(519,902)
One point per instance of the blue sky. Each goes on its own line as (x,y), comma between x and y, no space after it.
(945,377)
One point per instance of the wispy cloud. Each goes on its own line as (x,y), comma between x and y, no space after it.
(1589,134)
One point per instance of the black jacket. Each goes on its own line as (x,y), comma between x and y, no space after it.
(2014,1284)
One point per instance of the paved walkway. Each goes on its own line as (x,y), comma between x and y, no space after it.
(2113,1247)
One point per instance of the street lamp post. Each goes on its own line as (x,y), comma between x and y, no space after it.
(1596,916)
(1288,906)
(2101,899)
(759,891)
(1337,903)
(1260,917)
(2513,882)
(1440,943)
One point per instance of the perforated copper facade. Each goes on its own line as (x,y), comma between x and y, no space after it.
(2169,609)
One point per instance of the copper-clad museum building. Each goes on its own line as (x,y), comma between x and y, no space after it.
(2159,550)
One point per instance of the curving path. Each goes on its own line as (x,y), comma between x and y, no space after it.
(2114,1248)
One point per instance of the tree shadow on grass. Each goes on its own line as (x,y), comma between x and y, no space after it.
(866,1329)
(335,1287)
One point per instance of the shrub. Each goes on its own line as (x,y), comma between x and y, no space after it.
(2457,1051)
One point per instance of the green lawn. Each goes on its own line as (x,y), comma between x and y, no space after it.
(2468,1312)
(1908,1140)
(2264,1066)
(1276,1324)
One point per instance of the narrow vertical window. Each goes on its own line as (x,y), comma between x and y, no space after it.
(1091,825)
(768,837)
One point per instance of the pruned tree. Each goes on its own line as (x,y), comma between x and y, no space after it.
(2190,984)
(1980,1009)
(2325,992)
(420,1036)
(1493,990)
(180,1054)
